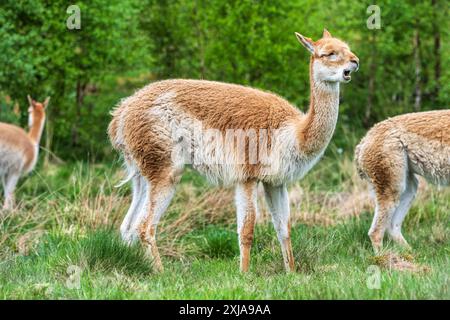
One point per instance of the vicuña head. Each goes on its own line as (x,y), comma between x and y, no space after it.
(157,132)
(331,58)
(36,117)
(19,149)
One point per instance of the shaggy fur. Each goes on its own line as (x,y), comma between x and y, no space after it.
(207,124)
(19,149)
(390,156)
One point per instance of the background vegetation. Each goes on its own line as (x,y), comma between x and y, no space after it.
(126,44)
(69,213)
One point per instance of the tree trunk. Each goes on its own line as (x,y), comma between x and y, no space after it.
(53,113)
(48,141)
(371,85)
(79,103)
(437,53)
(417,67)
(200,37)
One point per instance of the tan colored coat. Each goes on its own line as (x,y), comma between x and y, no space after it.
(419,141)
(19,150)
(232,135)
(389,157)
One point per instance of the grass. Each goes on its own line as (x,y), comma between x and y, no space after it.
(63,242)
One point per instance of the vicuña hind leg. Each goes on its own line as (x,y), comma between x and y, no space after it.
(139,187)
(384,211)
(160,193)
(406,199)
(141,210)
(388,175)
(277,199)
(246,205)
(9,185)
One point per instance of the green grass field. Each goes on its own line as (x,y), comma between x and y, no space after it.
(63,242)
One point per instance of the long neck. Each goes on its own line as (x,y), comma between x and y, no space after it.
(35,132)
(317,127)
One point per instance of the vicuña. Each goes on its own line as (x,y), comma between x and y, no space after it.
(19,149)
(154,127)
(389,157)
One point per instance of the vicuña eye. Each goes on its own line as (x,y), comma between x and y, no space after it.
(331,54)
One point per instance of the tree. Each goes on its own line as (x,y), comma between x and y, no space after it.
(43,57)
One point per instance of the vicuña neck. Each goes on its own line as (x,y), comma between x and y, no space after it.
(35,132)
(317,127)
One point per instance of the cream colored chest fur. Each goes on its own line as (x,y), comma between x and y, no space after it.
(218,154)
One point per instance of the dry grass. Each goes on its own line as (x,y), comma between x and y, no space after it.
(63,216)
(90,202)
(400,262)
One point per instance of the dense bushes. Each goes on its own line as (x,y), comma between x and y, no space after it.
(121,46)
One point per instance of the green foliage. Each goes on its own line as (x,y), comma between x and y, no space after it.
(252,42)
(7,113)
(123,45)
(41,56)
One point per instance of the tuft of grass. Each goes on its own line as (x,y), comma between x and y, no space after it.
(98,250)
(105,250)
(219,243)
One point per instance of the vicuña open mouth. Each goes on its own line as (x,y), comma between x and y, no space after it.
(347,75)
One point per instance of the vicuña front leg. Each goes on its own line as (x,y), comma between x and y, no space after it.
(278,202)
(246,205)
(159,196)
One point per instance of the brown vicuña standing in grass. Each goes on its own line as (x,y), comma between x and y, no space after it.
(220,129)
(389,157)
(19,149)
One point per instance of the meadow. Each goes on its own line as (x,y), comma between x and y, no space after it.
(63,241)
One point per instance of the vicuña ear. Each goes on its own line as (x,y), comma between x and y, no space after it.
(306,42)
(46,102)
(326,34)
(30,100)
